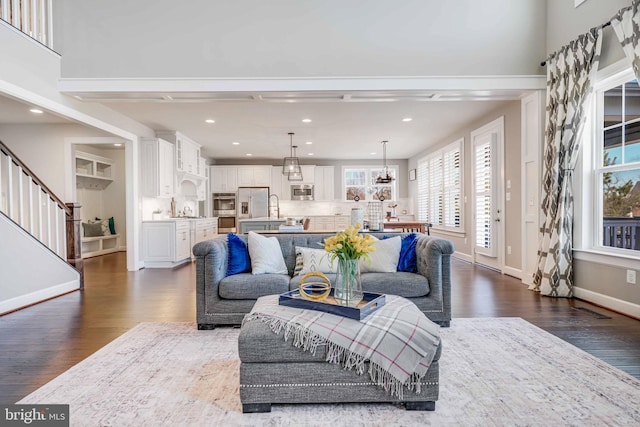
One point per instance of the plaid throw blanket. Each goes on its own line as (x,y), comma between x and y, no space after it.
(397,340)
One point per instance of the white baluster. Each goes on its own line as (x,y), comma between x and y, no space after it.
(15,14)
(49,233)
(40,216)
(9,187)
(26,17)
(20,197)
(30,206)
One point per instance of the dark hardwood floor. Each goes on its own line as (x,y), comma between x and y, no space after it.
(40,342)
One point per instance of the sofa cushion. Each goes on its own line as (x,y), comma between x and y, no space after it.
(238,259)
(408,285)
(266,255)
(250,286)
(385,257)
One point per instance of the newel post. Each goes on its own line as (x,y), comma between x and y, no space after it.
(74,246)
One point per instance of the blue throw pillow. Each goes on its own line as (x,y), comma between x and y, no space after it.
(239,261)
(408,261)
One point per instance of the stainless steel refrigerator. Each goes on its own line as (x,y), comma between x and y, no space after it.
(253,202)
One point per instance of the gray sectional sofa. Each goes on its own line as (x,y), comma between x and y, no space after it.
(224,300)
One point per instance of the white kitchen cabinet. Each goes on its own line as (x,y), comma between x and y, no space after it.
(276,181)
(323,183)
(224,179)
(158,170)
(322,223)
(254,176)
(187,153)
(204,229)
(342,222)
(166,244)
(308,175)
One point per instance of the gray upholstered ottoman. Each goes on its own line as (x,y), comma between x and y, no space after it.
(274,371)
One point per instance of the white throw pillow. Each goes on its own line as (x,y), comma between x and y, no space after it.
(385,258)
(309,259)
(266,255)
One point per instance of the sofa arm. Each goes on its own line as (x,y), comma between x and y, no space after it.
(211,267)
(433,256)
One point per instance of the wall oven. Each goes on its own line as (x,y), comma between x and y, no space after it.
(224,207)
(302,192)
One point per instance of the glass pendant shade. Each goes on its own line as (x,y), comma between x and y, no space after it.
(295,173)
(291,165)
(384,178)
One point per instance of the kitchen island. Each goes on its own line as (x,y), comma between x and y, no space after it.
(246,225)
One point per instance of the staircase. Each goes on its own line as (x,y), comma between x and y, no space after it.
(39,238)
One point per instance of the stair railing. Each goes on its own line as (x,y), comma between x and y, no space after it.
(28,202)
(32,17)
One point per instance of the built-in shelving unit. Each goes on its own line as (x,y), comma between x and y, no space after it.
(93,171)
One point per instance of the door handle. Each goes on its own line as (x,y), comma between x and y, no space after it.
(497,219)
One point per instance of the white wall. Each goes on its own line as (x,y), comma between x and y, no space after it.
(565,23)
(30,272)
(292,38)
(42,148)
(513,209)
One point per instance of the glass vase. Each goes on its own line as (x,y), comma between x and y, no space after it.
(348,289)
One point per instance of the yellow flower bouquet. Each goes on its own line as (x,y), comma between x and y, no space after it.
(348,247)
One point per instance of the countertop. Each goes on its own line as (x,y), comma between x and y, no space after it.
(261,219)
(179,219)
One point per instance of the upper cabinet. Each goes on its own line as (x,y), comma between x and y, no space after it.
(93,171)
(254,176)
(157,163)
(323,185)
(187,154)
(223,179)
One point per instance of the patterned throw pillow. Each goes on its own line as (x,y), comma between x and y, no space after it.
(112,224)
(309,259)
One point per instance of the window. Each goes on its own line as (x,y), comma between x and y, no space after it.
(439,177)
(360,184)
(616,160)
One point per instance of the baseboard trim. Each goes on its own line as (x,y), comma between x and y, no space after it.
(22,301)
(513,272)
(464,257)
(611,303)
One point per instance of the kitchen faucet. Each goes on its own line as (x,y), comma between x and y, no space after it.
(277,205)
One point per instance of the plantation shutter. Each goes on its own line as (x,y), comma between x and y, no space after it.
(435,190)
(484,195)
(423,189)
(452,188)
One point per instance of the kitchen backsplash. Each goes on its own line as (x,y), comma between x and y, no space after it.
(302,208)
(150,204)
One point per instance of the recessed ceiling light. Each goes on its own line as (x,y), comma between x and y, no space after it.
(249,154)
(310,154)
(306,120)
(117,144)
(235,143)
(36,111)
(373,153)
(210,121)
(309,142)
(407,119)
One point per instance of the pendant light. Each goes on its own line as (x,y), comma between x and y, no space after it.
(384,178)
(291,165)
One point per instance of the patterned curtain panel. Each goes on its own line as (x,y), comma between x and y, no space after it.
(625,24)
(569,82)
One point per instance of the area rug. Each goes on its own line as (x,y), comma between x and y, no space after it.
(493,372)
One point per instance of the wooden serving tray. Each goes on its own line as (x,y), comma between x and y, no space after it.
(370,303)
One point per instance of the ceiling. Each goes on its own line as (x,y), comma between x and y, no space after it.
(343,125)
